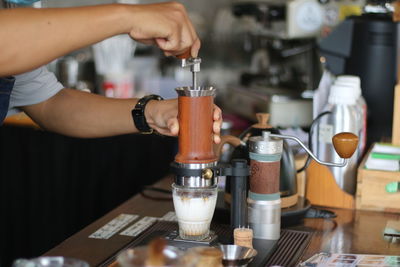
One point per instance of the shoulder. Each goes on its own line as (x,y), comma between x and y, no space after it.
(33,87)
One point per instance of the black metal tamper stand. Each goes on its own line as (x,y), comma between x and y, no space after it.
(238,172)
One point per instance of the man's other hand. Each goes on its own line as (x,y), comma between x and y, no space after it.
(162,116)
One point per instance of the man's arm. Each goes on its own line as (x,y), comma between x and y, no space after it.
(30,37)
(80,114)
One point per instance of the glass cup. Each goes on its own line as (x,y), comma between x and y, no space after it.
(194,208)
(139,257)
(50,262)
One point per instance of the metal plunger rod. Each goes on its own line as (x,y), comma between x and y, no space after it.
(194,64)
(194,77)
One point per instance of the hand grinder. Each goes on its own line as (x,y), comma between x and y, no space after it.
(264,201)
(264,197)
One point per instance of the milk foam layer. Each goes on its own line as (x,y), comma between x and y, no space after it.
(194,214)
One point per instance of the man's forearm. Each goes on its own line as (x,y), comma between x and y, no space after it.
(30,38)
(33,37)
(80,114)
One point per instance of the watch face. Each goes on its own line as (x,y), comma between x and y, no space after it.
(309,16)
(138,114)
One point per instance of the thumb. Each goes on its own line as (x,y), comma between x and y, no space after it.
(173,126)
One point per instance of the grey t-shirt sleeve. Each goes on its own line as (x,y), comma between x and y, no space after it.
(33,87)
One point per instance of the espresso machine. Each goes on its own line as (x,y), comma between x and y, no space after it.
(281,44)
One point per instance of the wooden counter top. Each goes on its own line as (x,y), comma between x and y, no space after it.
(20,119)
(351,232)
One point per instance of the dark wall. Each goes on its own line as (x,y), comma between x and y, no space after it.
(51,186)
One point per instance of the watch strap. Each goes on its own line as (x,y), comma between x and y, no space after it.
(138,114)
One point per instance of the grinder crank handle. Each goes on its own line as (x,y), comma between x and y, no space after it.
(344,143)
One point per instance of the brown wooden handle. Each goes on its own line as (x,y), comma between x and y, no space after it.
(345,144)
(226,139)
(396,13)
(113,264)
(195,130)
(262,121)
(185,55)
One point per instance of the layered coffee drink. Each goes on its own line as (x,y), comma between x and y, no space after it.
(194,208)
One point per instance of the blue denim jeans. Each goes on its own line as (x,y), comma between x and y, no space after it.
(6,85)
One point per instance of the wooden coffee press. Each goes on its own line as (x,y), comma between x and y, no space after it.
(195,184)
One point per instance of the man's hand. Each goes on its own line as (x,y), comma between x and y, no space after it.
(162,116)
(166,25)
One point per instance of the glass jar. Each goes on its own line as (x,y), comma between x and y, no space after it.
(139,257)
(194,208)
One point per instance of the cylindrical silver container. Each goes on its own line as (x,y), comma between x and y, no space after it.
(344,117)
(264,203)
(266,218)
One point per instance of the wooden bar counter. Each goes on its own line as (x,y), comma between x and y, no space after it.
(352,231)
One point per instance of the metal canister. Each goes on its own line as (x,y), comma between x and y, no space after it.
(264,203)
(345,116)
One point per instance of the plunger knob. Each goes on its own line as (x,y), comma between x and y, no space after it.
(185,55)
(345,144)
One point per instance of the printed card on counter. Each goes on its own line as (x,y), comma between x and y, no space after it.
(114,226)
(351,260)
(138,227)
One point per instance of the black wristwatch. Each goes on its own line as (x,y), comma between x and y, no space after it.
(138,114)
